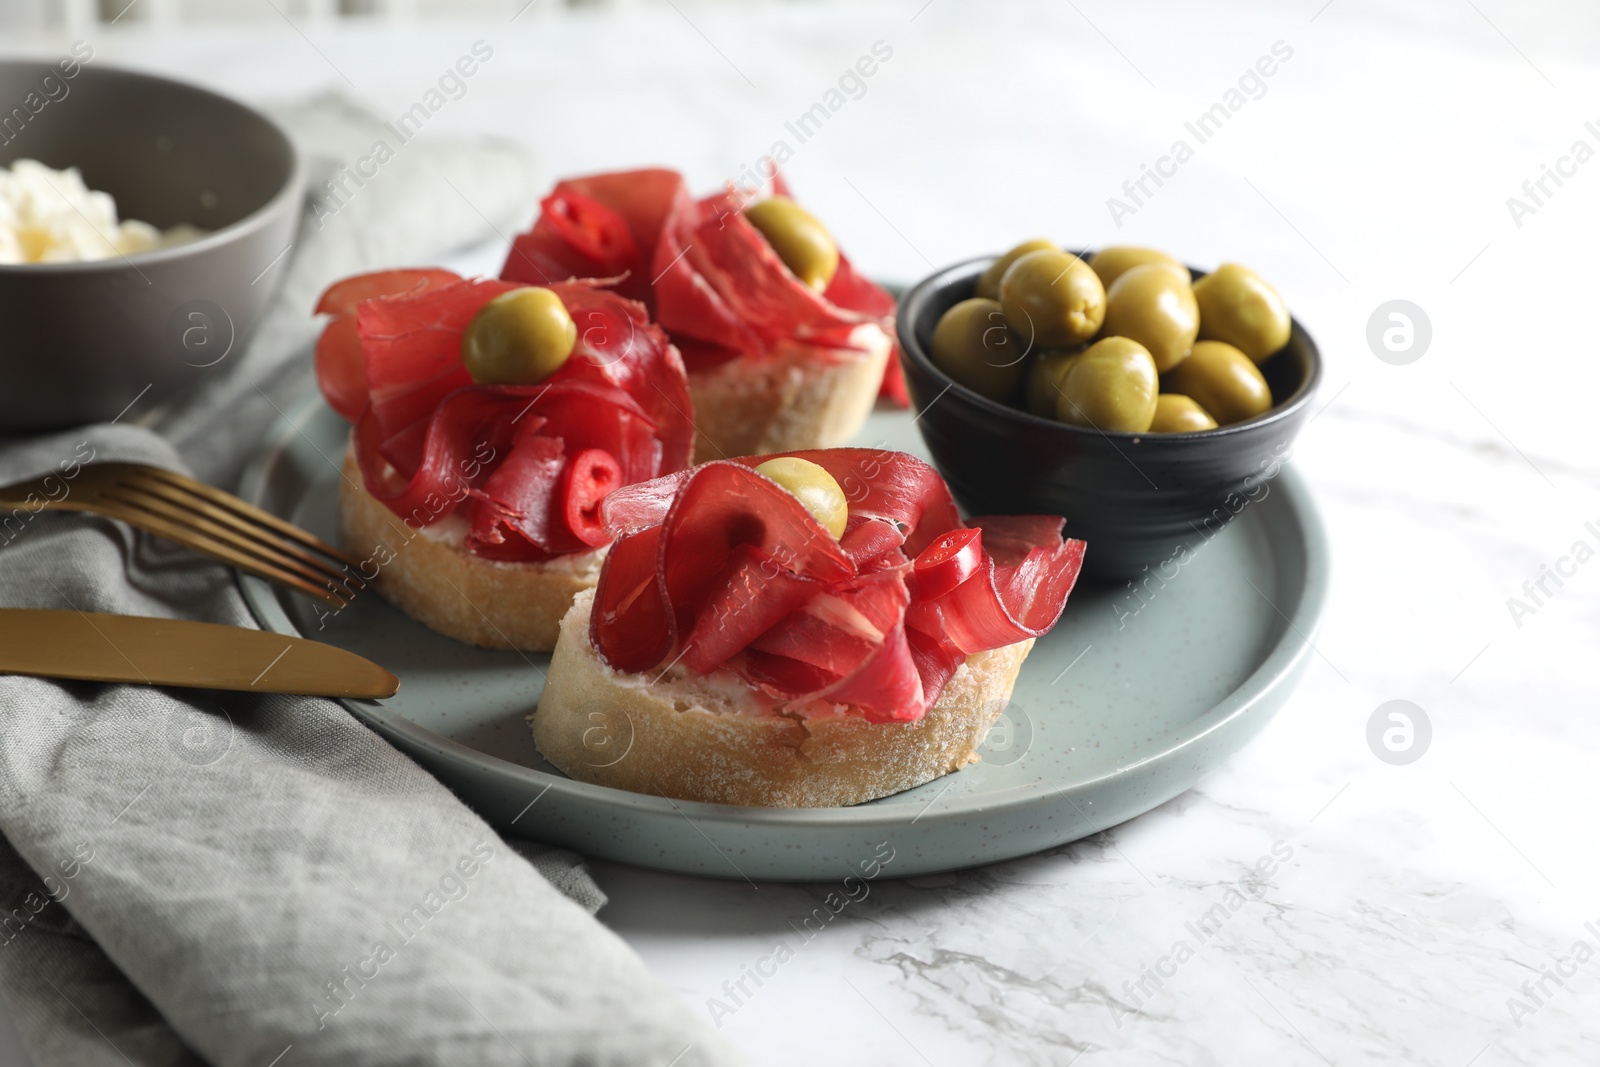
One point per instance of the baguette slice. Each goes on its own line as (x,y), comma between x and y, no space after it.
(707,738)
(429,575)
(793,398)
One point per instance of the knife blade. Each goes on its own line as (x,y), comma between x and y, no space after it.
(95,647)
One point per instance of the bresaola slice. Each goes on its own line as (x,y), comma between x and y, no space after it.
(707,276)
(726,506)
(873,544)
(1000,605)
(714,516)
(431,443)
(854,636)
(722,251)
(340,362)
(718,567)
(465,432)
(891,486)
(412,345)
(750,596)
(631,623)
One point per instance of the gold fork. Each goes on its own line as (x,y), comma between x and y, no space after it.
(197,515)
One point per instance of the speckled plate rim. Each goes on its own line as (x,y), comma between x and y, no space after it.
(1278,670)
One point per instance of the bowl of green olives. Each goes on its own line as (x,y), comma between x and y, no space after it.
(1147,401)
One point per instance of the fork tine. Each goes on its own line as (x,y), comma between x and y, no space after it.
(191,538)
(235,509)
(252,542)
(185,507)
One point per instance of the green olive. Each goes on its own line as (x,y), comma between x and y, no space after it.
(973,346)
(1176,413)
(1154,305)
(814,487)
(1052,299)
(989,283)
(1236,306)
(1043,387)
(800,240)
(1223,380)
(1111,386)
(519,338)
(1112,263)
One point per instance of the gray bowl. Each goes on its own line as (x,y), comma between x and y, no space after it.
(83,340)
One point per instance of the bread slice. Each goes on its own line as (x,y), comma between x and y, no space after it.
(429,575)
(694,737)
(789,399)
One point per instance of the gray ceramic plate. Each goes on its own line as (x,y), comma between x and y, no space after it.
(1124,705)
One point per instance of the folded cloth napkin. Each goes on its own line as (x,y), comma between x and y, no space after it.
(193,877)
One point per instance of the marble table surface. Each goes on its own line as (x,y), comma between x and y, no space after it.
(1443,911)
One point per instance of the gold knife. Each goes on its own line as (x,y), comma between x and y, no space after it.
(92,647)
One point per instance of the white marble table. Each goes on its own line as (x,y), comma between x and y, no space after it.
(1427,914)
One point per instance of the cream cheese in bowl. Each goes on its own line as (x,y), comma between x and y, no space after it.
(51,216)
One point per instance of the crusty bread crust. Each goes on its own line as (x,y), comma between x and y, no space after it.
(480,601)
(783,402)
(681,738)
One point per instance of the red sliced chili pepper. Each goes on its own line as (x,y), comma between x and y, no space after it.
(591,475)
(593,229)
(948,561)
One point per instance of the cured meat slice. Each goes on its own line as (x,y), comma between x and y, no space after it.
(705,274)
(528,466)
(744,578)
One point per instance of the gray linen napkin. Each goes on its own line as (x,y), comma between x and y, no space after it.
(200,877)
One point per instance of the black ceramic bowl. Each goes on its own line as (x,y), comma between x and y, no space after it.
(1139,500)
(83,340)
